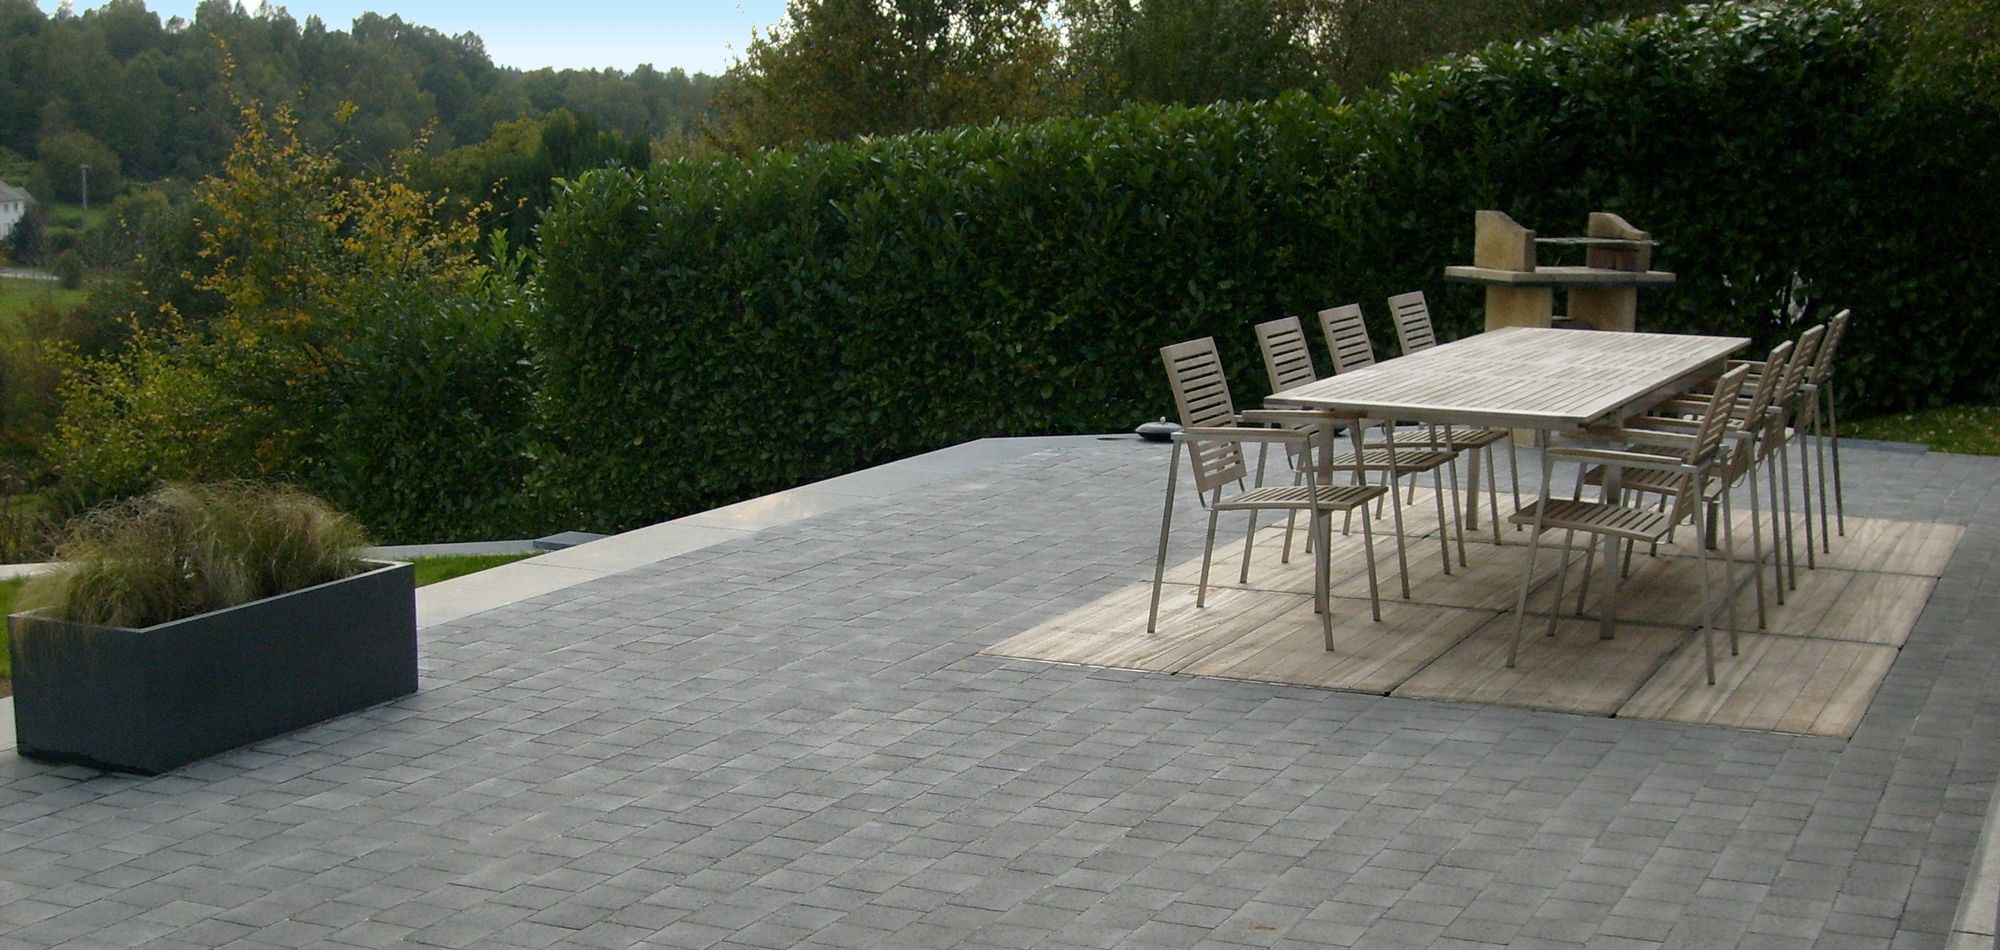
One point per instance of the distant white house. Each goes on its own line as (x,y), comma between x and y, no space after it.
(14,204)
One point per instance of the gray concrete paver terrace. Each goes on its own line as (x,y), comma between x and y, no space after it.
(787,738)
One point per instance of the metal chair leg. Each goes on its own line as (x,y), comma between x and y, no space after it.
(1402,548)
(1562,578)
(1757,545)
(1368,548)
(1785,479)
(1777,542)
(1805,502)
(1207,553)
(1521,604)
(1707,621)
(1819,459)
(1322,568)
(1166,519)
(1729,565)
(1833,429)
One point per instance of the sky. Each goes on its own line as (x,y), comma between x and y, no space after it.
(696,35)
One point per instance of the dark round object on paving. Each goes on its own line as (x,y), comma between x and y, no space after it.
(1159,430)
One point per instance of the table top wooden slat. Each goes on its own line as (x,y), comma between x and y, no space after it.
(1527,377)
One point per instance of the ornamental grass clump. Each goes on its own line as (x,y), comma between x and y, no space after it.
(183,550)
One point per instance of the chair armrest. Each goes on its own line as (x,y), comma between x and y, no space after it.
(1648,437)
(1658,463)
(1664,424)
(1244,434)
(1292,417)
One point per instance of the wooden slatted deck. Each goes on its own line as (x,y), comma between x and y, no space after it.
(1814,670)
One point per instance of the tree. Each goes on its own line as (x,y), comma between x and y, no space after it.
(515,171)
(836,69)
(63,156)
(1189,52)
(1950,47)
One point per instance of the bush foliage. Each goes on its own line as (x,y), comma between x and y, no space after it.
(343,336)
(718,329)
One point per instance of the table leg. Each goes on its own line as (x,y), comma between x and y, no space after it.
(1472,495)
(1607,619)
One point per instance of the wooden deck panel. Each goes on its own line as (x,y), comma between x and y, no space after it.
(1489,580)
(1778,684)
(1893,547)
(1573,671)
(1112,632)
(1874,608)
(1876,545)
(1367,656)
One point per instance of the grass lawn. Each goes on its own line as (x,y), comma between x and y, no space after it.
(430,570)
(8,589)
(1966,430)
(70,214)
(16,296)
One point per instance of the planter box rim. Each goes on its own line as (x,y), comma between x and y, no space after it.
(380,566)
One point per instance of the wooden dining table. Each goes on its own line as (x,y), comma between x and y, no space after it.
(1542,380)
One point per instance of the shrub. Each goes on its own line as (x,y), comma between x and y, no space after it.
(715,329)
(68,268)
(188,549)
(424,419)
(154,413)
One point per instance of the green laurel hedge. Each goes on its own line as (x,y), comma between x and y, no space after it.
(718,329)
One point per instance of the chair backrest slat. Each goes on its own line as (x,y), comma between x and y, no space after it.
(1770,382)
(1752,418)
(1287,358)
(1708,436)
(1347,337)
(1836,328)
(1414,332)
(1201,394)
(1801,365)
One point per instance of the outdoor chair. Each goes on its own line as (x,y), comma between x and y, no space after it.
(1214,434)
(1288,362)
(1818,403)
(1751,440)
(1787,404)
(1415,333)
(1790,402)
(1694,480)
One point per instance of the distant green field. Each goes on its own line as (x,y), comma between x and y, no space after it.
(1966,430)
(71,215)
(16,295)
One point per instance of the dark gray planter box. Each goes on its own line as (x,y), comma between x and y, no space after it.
(153,699)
